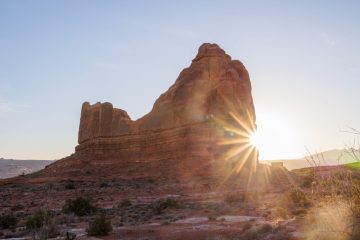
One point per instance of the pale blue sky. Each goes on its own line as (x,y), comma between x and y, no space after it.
(303,58)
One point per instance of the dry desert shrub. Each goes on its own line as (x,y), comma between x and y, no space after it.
(336,193)
(159,206)
(100,226)
(42,225)
(79,206)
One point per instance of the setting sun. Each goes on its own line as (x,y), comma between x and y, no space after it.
(254,139)
(275,138)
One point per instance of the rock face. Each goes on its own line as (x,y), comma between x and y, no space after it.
(102,120)
(213,86)
(203,120)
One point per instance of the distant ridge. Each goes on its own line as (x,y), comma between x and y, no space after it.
(12,168)
(326,158)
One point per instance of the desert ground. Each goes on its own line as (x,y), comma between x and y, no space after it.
(311,203)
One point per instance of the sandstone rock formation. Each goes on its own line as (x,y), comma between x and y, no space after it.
(102,120)
(213,86)
(201,121)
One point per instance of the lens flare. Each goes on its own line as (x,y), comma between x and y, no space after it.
(254,139)
(240,152)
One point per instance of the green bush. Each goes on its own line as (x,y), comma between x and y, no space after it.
(79,206)
(99,227)
(38,220)
(8,221)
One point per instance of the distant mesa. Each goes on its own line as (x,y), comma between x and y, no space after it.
(201,122)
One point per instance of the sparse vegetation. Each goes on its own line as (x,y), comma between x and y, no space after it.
(42,225)
(299,198)
(159,206)
(355,208)
(39,219)
(297,206)
(335,192)
(100,226)
(308,180)
(79,206)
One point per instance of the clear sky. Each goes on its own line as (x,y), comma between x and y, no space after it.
(303,58)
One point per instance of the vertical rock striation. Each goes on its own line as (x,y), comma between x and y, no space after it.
(102,120)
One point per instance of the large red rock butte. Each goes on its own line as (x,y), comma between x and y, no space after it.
(199,127)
